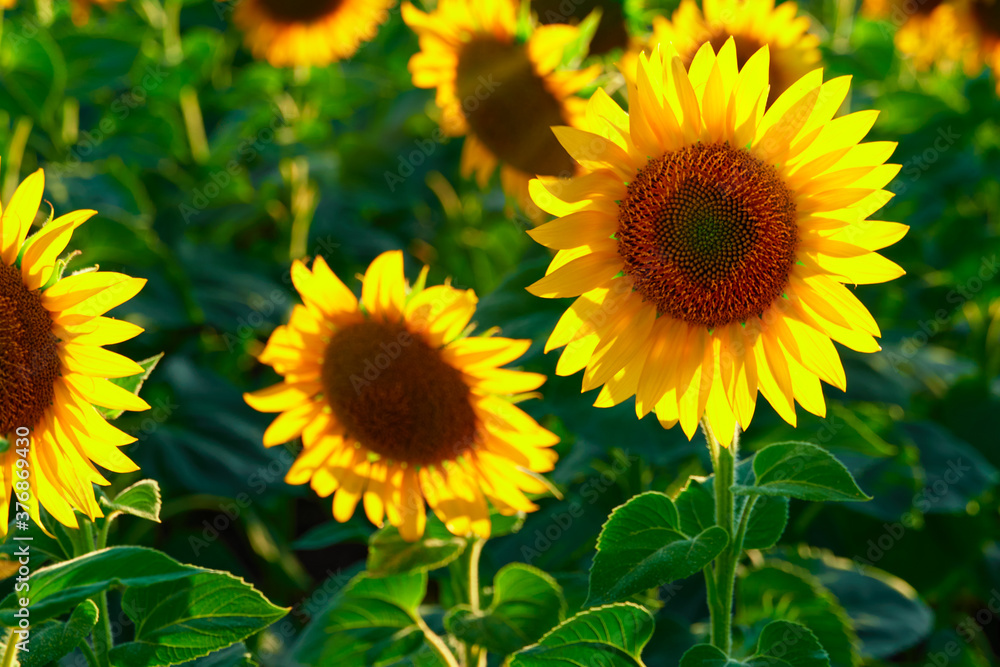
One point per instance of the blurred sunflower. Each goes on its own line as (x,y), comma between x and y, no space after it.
(80,11)
(931,32)
(709,240)
(52,366)
(396,403)
(503,93)
(752,24)
(309,32)
(611,33)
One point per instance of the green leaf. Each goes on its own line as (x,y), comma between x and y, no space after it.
(611,636)
(781,644)
(331,533)
(142,499)
(526,604)
(236,655)
(182,620)
(56,589)
(783,591)
(696,507)
(52,641)
(786,644)
(642,546)
(706,655)
(389,553)
(132,383)
(372,621)
(801,470)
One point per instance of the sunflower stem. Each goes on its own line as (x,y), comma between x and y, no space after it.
(103,640)
(88,653)
(721,589)
(10,653)
(474,655)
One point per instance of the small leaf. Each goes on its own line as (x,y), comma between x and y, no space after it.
(526,604)
(389,553)
(706,655)
(786,644)
(801,470)
(642,546)
(182,620)
(52,641)
(611,636)
(142,499)
(132,383)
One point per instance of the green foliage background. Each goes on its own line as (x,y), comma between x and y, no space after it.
(294,163)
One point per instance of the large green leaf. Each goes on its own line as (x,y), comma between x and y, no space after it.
(52,641)
(782,591)
(56,589)
(182,620)
(610,636)
(389,553)
(526,604)
(372,621)
(642,546)
(801,470)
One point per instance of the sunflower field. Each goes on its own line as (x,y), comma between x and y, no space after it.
(469,333)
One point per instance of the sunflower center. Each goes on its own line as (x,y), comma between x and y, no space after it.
(396,395)
(509,108)
(300,11)
(29,355)
(708,234)
(987,15)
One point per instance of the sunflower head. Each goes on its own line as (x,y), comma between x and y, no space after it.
(53,368)
(752,24)
(397,403)
(290,33)
(500,90)
(80,11)
(709,238)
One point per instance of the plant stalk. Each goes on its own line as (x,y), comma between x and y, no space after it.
(721,589)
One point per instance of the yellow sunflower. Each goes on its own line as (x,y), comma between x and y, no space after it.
(931,32)
(309,32)
(396,403)
(502,93)
(709,240)
(53,369)
(752,24)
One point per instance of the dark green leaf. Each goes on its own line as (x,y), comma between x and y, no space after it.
(706,655)
(52,641)
(389,553)
(331,533)
(611,636)
(786,644)
(526,604)
(182,620)
(801,470)
(642,546)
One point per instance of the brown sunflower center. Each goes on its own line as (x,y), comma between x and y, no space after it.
(396,396)
(509,108)
(29,356)
(708,234)
(300,11)
(987,13)
(611,31)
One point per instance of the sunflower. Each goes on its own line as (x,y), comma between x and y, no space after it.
(931,32)
(752,24)
(396,403)
(53,369)
(80,11)
(309,32)
(502,93)
(709,240)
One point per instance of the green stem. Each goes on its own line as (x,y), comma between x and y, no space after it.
(437,643)
(88,653)
(11,652)
(103,640)
(721,606)
(474,655)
